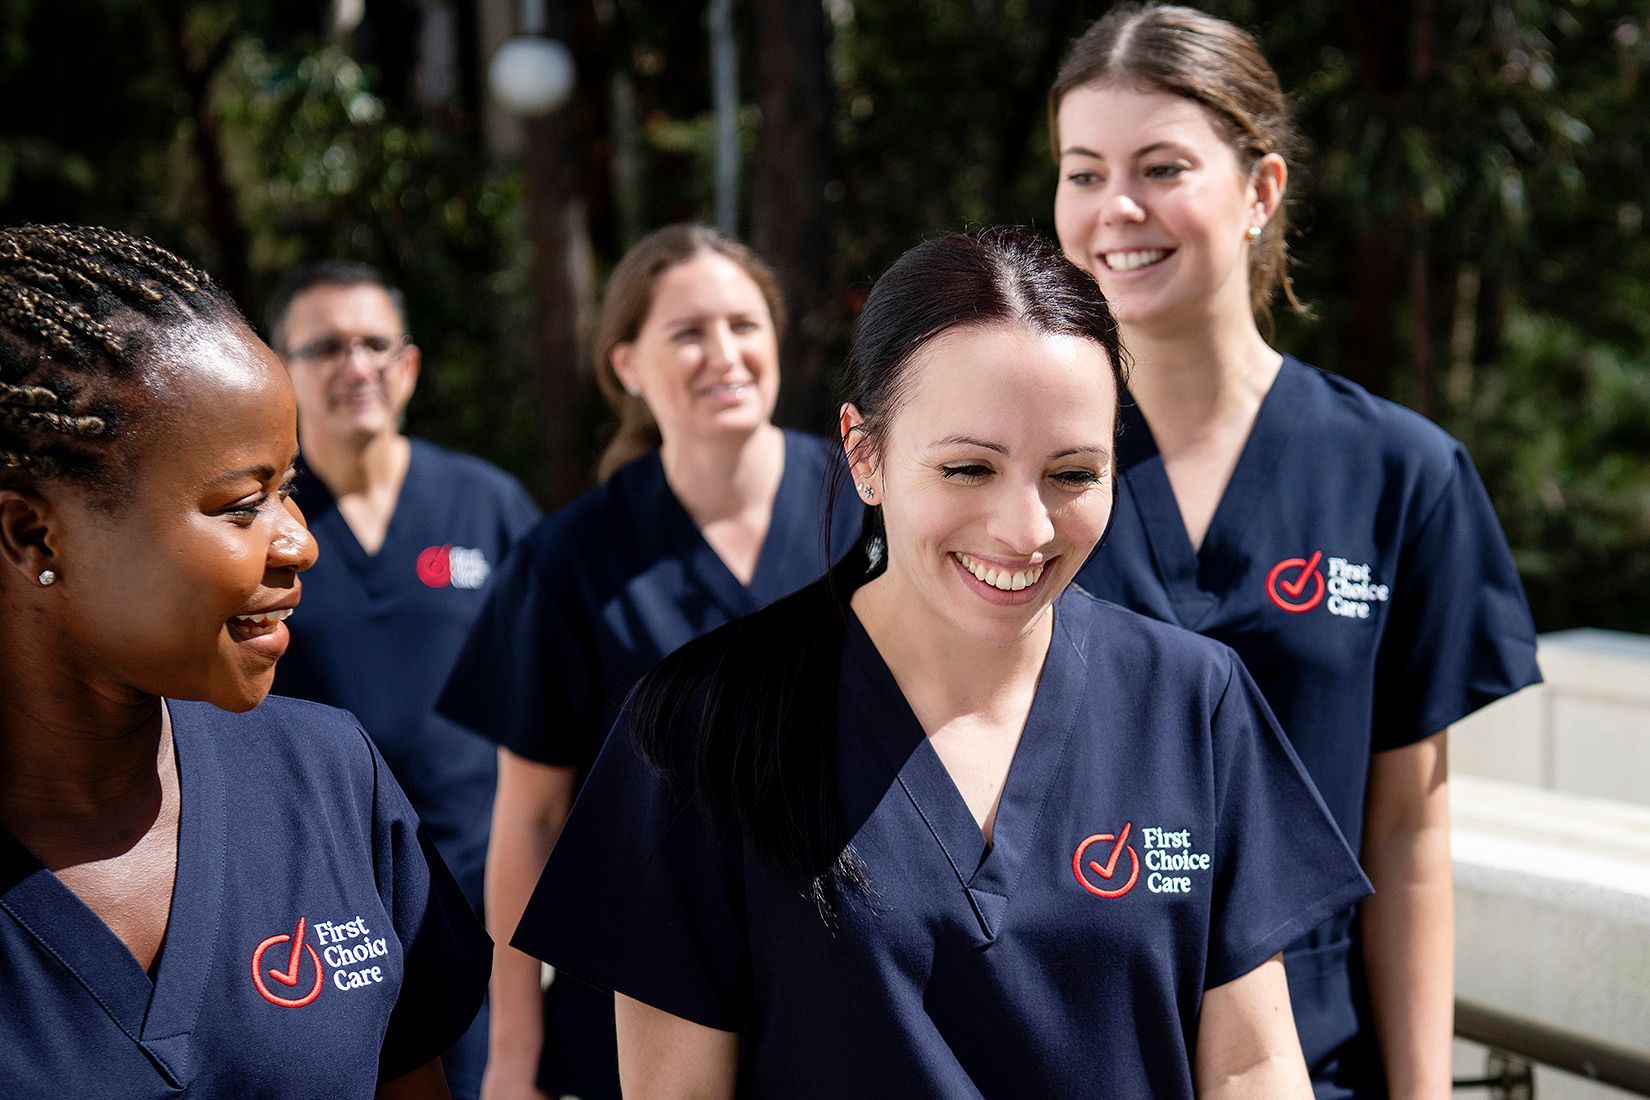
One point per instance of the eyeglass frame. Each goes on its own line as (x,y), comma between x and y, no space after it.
(336,357)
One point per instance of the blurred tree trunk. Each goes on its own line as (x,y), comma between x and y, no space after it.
(197,67)
(790,222)
(562,266)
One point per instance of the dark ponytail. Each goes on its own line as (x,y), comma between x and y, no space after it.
(756,700)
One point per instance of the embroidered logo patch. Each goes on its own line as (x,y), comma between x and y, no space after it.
(1298,585)
(1107,872)
(287,981)
(1170,861)
(1295,584)
(348,947)
(455,566)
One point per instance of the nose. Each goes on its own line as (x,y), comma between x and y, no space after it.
(293,548)
(1121,209)
(1021,520)
(721,349)
(359,360)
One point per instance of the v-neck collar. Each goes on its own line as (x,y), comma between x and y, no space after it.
(1190,576)
(707,566)
(987,873)
(341,536)
(160,1014)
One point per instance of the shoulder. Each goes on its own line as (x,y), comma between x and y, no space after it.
(813,450)
(1346,414)
(1149,650)
(576,531)
(473,474)
(306,744)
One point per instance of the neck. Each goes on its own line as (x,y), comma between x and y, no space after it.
(1190,375)
(76,758)
(724,475)
(959,676)
(370,465)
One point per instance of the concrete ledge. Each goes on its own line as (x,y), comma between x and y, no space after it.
(1586,730)
(1553,910)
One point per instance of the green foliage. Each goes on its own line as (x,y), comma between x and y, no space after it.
(322,169)
(1561,431)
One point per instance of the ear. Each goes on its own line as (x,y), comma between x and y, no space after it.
(624,367)
(856,444)
(1268,180)
(26,535)
(411,360)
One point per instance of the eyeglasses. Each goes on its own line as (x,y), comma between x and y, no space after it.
(333,351)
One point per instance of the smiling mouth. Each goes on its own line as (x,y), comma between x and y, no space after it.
(1001,577)
(260,623)
(731,389)
(1134,260)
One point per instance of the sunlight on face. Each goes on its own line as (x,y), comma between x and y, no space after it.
(995,476)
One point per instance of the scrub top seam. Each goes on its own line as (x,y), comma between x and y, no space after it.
(1474,702)
(84,984)
(1291,928)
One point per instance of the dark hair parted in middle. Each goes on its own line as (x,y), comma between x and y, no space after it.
(761,692)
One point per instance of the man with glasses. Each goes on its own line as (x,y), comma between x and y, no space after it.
(408,533)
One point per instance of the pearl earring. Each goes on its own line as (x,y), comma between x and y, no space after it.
(1253,233)
(47,578)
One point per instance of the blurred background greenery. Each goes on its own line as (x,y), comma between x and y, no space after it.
(1472,211)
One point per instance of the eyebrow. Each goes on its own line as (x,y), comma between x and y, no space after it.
(970,441)
(259,473)
(1085,151)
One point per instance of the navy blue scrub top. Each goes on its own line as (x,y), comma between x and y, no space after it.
(376,634)
(1356,566)
(585,605)
(316,944)
(1155,837)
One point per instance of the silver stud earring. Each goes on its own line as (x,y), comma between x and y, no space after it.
(47,578)
(1253,233)
(867,492)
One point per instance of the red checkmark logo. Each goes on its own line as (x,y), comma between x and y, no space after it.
(1286,591)
(289,976)
(1108,871)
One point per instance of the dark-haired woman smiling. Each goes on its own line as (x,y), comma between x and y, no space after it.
(195,896)
(972,833)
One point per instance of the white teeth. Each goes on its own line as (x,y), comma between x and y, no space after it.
(265,618)
(1128,261)
(1006,580)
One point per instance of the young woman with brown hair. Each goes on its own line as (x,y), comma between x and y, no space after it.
(1343,546)
(706,512)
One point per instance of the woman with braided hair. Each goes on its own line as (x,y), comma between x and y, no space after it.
(197,893)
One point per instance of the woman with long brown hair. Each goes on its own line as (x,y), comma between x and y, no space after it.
(1343,546)
(706,512)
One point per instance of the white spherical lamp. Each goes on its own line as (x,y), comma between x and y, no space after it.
(531,75)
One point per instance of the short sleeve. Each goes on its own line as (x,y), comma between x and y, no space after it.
(1459,635)
(643,895)
(1282,866)
(446,956)
(523,678)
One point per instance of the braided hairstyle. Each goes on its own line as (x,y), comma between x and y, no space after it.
(81,308)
